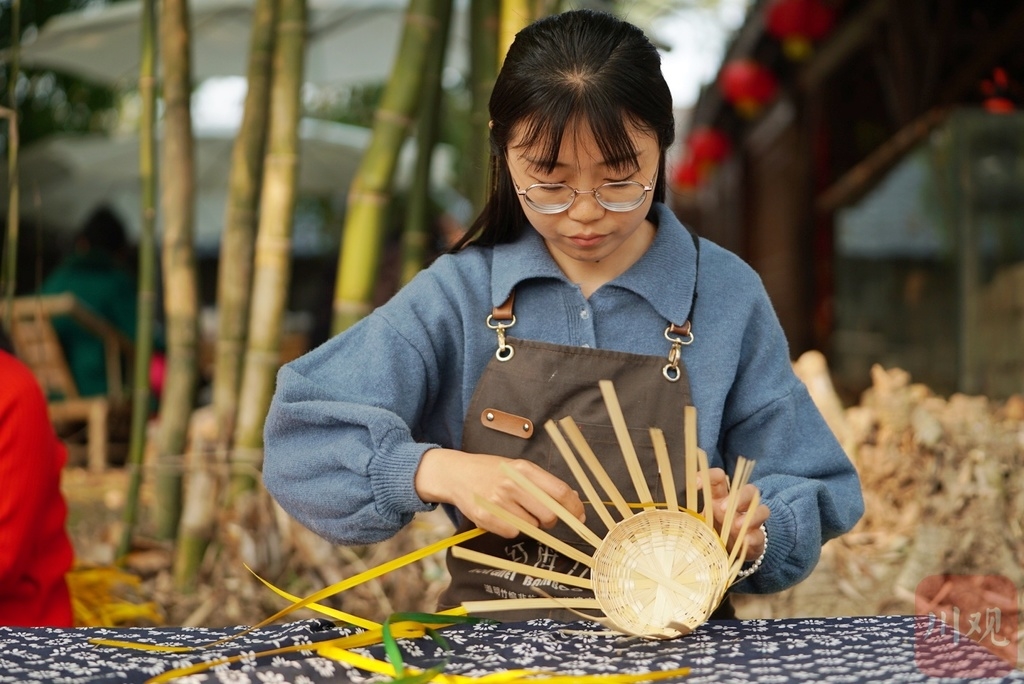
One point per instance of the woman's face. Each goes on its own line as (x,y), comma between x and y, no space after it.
(591,244)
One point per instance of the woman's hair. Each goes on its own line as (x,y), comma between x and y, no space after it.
(577,67)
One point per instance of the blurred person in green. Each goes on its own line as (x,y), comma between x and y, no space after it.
(96,274)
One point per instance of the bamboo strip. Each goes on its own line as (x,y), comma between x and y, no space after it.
(735,567)
(744,528)
(572,431)
(581,476)
(536,533)
(529,570)
(558,509)
(707,510)
(636,473)
(499,605)
(664,468)
(739,479)
(690,455)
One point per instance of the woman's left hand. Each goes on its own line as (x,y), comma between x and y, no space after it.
(719,502)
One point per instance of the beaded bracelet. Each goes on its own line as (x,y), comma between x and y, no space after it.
(757,563)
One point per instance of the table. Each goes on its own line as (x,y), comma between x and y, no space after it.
(848,649)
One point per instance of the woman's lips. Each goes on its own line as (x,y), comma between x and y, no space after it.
(586,240)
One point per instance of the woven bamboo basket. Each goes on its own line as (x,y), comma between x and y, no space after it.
(660,571)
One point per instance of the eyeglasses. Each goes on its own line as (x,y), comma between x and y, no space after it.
(554,198)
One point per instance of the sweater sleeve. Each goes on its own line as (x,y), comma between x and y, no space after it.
(806,479)
(348,425)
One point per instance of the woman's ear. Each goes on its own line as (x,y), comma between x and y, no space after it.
(490,124)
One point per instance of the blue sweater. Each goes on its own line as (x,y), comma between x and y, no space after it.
(350,420)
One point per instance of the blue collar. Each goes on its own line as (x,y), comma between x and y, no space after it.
(663,276)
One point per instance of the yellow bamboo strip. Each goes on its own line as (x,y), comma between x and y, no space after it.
(356,580)
(744,528)
(739,479)
(690,455)
(522,568)
(572,431)
(326,610)
(501,605)
(536,533)
(664,468)
(558,509)
(636,473)
(581,476)
(707,510)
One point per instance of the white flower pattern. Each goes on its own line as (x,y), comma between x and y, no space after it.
(834,650)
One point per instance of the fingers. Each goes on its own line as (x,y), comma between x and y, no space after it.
(720,502)
(465,480)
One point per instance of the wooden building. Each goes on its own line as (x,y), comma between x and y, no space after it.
(878,185)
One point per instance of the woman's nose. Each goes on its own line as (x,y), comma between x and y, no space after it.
(585,207)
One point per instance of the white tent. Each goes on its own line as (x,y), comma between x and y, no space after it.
(64,178)
(348,41)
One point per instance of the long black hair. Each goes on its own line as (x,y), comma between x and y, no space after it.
(582,66)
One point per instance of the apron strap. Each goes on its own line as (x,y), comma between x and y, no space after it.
(503,312)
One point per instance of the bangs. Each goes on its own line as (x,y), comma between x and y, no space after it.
(613,129)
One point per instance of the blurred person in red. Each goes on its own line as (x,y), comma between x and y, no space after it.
(35,550)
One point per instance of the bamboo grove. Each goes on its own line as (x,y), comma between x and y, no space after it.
(255,253)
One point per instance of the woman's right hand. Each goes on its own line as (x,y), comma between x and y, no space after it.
(459,478)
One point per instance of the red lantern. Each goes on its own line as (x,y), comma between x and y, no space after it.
(747,85)
(708,145)
(799,24)
(997,93)
(686,176)
(705,148)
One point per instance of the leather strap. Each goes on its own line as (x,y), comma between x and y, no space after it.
(503,312)
(681,330)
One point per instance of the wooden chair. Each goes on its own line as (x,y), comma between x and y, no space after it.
(36,344)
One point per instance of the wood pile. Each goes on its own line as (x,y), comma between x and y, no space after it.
(943,483)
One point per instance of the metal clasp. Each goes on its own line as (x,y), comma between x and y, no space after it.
(679,336)
(505,350)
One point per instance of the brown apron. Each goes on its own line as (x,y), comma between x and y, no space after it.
(525,385)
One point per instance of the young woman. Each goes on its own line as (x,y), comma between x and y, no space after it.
(575,272)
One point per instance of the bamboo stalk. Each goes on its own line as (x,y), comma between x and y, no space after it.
(147,276)
(181,282)
(235,262)
(581,476)
(370,195)
(273,246)
(416,232)
(483,69)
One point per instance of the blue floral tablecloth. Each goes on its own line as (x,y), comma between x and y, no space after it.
(851,649)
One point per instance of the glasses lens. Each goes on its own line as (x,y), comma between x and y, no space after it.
(621,196)
(549,198)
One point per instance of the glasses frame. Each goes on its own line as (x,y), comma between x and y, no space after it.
(596,192)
